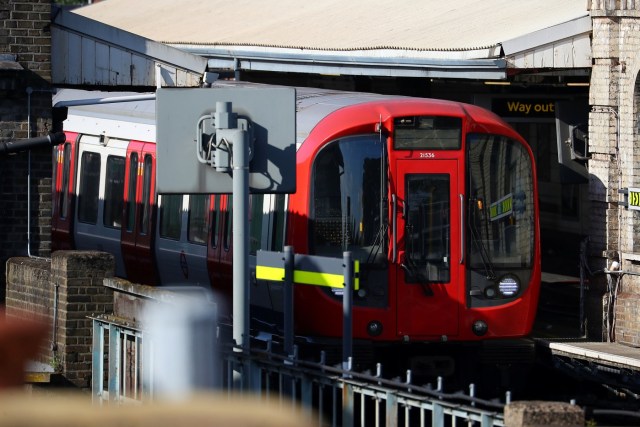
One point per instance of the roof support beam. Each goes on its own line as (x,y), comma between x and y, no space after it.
(364,63)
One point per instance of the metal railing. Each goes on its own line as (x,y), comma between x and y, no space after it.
(324,395)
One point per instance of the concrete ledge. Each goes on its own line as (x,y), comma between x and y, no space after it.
(543,414)
(207,410)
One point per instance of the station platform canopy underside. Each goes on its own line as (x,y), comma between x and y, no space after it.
(465,39)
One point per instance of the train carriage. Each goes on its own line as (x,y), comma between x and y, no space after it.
(436,199)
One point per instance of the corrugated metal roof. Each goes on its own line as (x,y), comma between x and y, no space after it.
(338,25)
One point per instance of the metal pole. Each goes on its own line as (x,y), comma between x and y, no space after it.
(347,305)
(288,299)
(240,239)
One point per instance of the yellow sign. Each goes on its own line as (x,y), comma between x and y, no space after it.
(634,198)
(501,208)
(307,270)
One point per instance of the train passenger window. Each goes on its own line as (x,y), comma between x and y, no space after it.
(228,222)
(256,203)
(198,211)
(89,187)
(114,192)
(64,190)
(428,133)
(170,216)
(277,225)
(215,221)
(133,183)
(146,194)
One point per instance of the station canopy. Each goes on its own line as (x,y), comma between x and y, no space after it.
(411,38)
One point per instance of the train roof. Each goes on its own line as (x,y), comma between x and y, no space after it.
(317,103)
(136,119)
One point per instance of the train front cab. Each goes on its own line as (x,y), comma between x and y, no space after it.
(458,255)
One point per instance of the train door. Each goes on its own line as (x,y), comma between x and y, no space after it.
(139,213)
(430,254)
(64,193)
(219,251)
(99,195)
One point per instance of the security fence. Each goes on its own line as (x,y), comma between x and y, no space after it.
(323,394)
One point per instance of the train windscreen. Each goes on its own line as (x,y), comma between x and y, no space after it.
(346,199)
(501,208)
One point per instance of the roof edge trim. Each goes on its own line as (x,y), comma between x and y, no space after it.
(486,56)
(332,49)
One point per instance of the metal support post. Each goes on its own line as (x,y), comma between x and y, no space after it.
(97,362)
(240,237)
(288,300)
(347,306)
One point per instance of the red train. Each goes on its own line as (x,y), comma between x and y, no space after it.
(436,199)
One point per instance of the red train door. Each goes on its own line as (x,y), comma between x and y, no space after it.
(429,267)
(138,226)
(64,193)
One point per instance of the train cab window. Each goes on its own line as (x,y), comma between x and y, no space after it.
(130,206)
(256,203)
(198,211)
(145,218)
(215,221)
(346,209)
(427,133)
(64,190)
(501,214)
(114,192)
(88,194)
(170,216)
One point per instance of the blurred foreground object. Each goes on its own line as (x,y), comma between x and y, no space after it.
(201,410)
(20,341)
(182,351)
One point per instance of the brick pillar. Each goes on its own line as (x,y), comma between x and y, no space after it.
(79,277)
(615,146)
(30,294)
(25,40)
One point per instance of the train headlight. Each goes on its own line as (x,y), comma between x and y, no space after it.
(508,286)
(479,327)
(374,328)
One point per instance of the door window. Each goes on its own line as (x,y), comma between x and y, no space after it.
(427,228)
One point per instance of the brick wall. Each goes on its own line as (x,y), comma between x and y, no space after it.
(25,37)
(615,143)
(75,278)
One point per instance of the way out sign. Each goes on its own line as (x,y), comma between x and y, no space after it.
(307,269)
